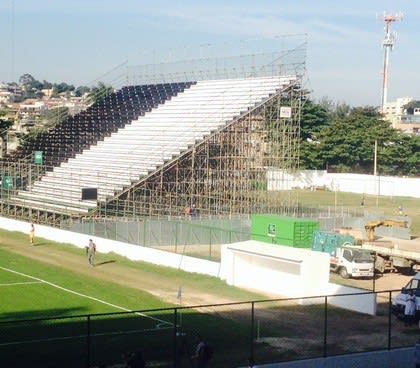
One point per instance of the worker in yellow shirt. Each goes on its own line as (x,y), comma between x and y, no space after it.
(32,235)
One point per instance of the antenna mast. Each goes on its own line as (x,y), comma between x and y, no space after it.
(388,43)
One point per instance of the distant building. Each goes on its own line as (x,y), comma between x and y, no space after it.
(6,97)
(400,118)
(30,112)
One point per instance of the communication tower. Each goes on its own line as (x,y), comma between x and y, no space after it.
(388,44)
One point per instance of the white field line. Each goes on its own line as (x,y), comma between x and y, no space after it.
(22,283)
(162,322)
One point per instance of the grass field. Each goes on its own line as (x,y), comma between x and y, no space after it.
(54,280)
(382,205)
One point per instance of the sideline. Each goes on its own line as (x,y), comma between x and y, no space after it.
(161,322)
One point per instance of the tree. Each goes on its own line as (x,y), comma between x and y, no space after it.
(26,80)
(80,91)
(411,106)
(5,124)
(348,144)
(314,119)
(99,93)
(335,109)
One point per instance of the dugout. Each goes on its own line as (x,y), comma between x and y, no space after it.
(275,269)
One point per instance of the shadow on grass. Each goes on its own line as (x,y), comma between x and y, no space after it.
(41,313)
(105,262)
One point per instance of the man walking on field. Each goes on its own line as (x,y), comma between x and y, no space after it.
(91,252)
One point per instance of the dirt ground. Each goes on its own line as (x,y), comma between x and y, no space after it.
(302,326)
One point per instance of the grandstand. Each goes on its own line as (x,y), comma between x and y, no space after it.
(157,148)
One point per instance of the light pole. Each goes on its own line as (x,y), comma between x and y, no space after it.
(374,272)
(375,171)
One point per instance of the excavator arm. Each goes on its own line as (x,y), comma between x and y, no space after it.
(372,225)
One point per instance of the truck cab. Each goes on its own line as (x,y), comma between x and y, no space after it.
(346,259)
(398,303)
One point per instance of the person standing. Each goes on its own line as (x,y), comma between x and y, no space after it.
(410,308)
(91,252)
(199,356)
(32,235)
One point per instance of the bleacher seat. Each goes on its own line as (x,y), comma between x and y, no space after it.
(131,151)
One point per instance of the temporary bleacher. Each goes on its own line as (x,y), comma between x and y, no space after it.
(101,119)
(140,148)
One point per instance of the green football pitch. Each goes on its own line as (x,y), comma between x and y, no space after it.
(32,289)
(55,308)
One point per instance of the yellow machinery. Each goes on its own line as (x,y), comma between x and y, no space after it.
(372,225)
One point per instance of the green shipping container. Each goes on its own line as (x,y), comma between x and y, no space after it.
(282,230)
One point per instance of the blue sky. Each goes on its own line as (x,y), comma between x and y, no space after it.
(76,41)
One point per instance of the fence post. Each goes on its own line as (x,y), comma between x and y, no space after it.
(88,342)
(325,324)
(251,354)
(389,320)
(176,237)
(144,232)
(210,244)
(175,350)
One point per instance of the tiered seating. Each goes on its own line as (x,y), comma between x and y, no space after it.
(143,146)
(98,121)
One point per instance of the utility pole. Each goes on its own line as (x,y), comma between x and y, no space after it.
(388,44)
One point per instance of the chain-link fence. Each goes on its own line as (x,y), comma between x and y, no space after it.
(195,236)
(265,330)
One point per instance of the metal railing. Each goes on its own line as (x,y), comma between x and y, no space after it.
(267,331)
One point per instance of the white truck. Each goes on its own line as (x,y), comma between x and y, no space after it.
(394,255)
(398,303)
(391,254)
(346,259)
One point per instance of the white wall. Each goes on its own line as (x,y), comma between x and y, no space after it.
(363,303)
(352,183)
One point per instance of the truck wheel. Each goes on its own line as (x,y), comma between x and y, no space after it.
(343,273)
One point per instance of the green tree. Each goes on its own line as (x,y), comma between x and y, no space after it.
(99,93)
(411,106)
(315,118)
(5,124)
(348,144)
(80,91)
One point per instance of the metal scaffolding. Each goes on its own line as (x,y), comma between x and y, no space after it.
(227,172)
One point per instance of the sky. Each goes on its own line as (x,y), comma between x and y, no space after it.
(79,41)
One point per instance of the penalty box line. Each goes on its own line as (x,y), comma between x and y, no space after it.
(161,321)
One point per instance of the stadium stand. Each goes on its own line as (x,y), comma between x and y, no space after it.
(108,154)
(96,122)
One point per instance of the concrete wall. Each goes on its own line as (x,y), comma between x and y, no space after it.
(352,183)
(363,303)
